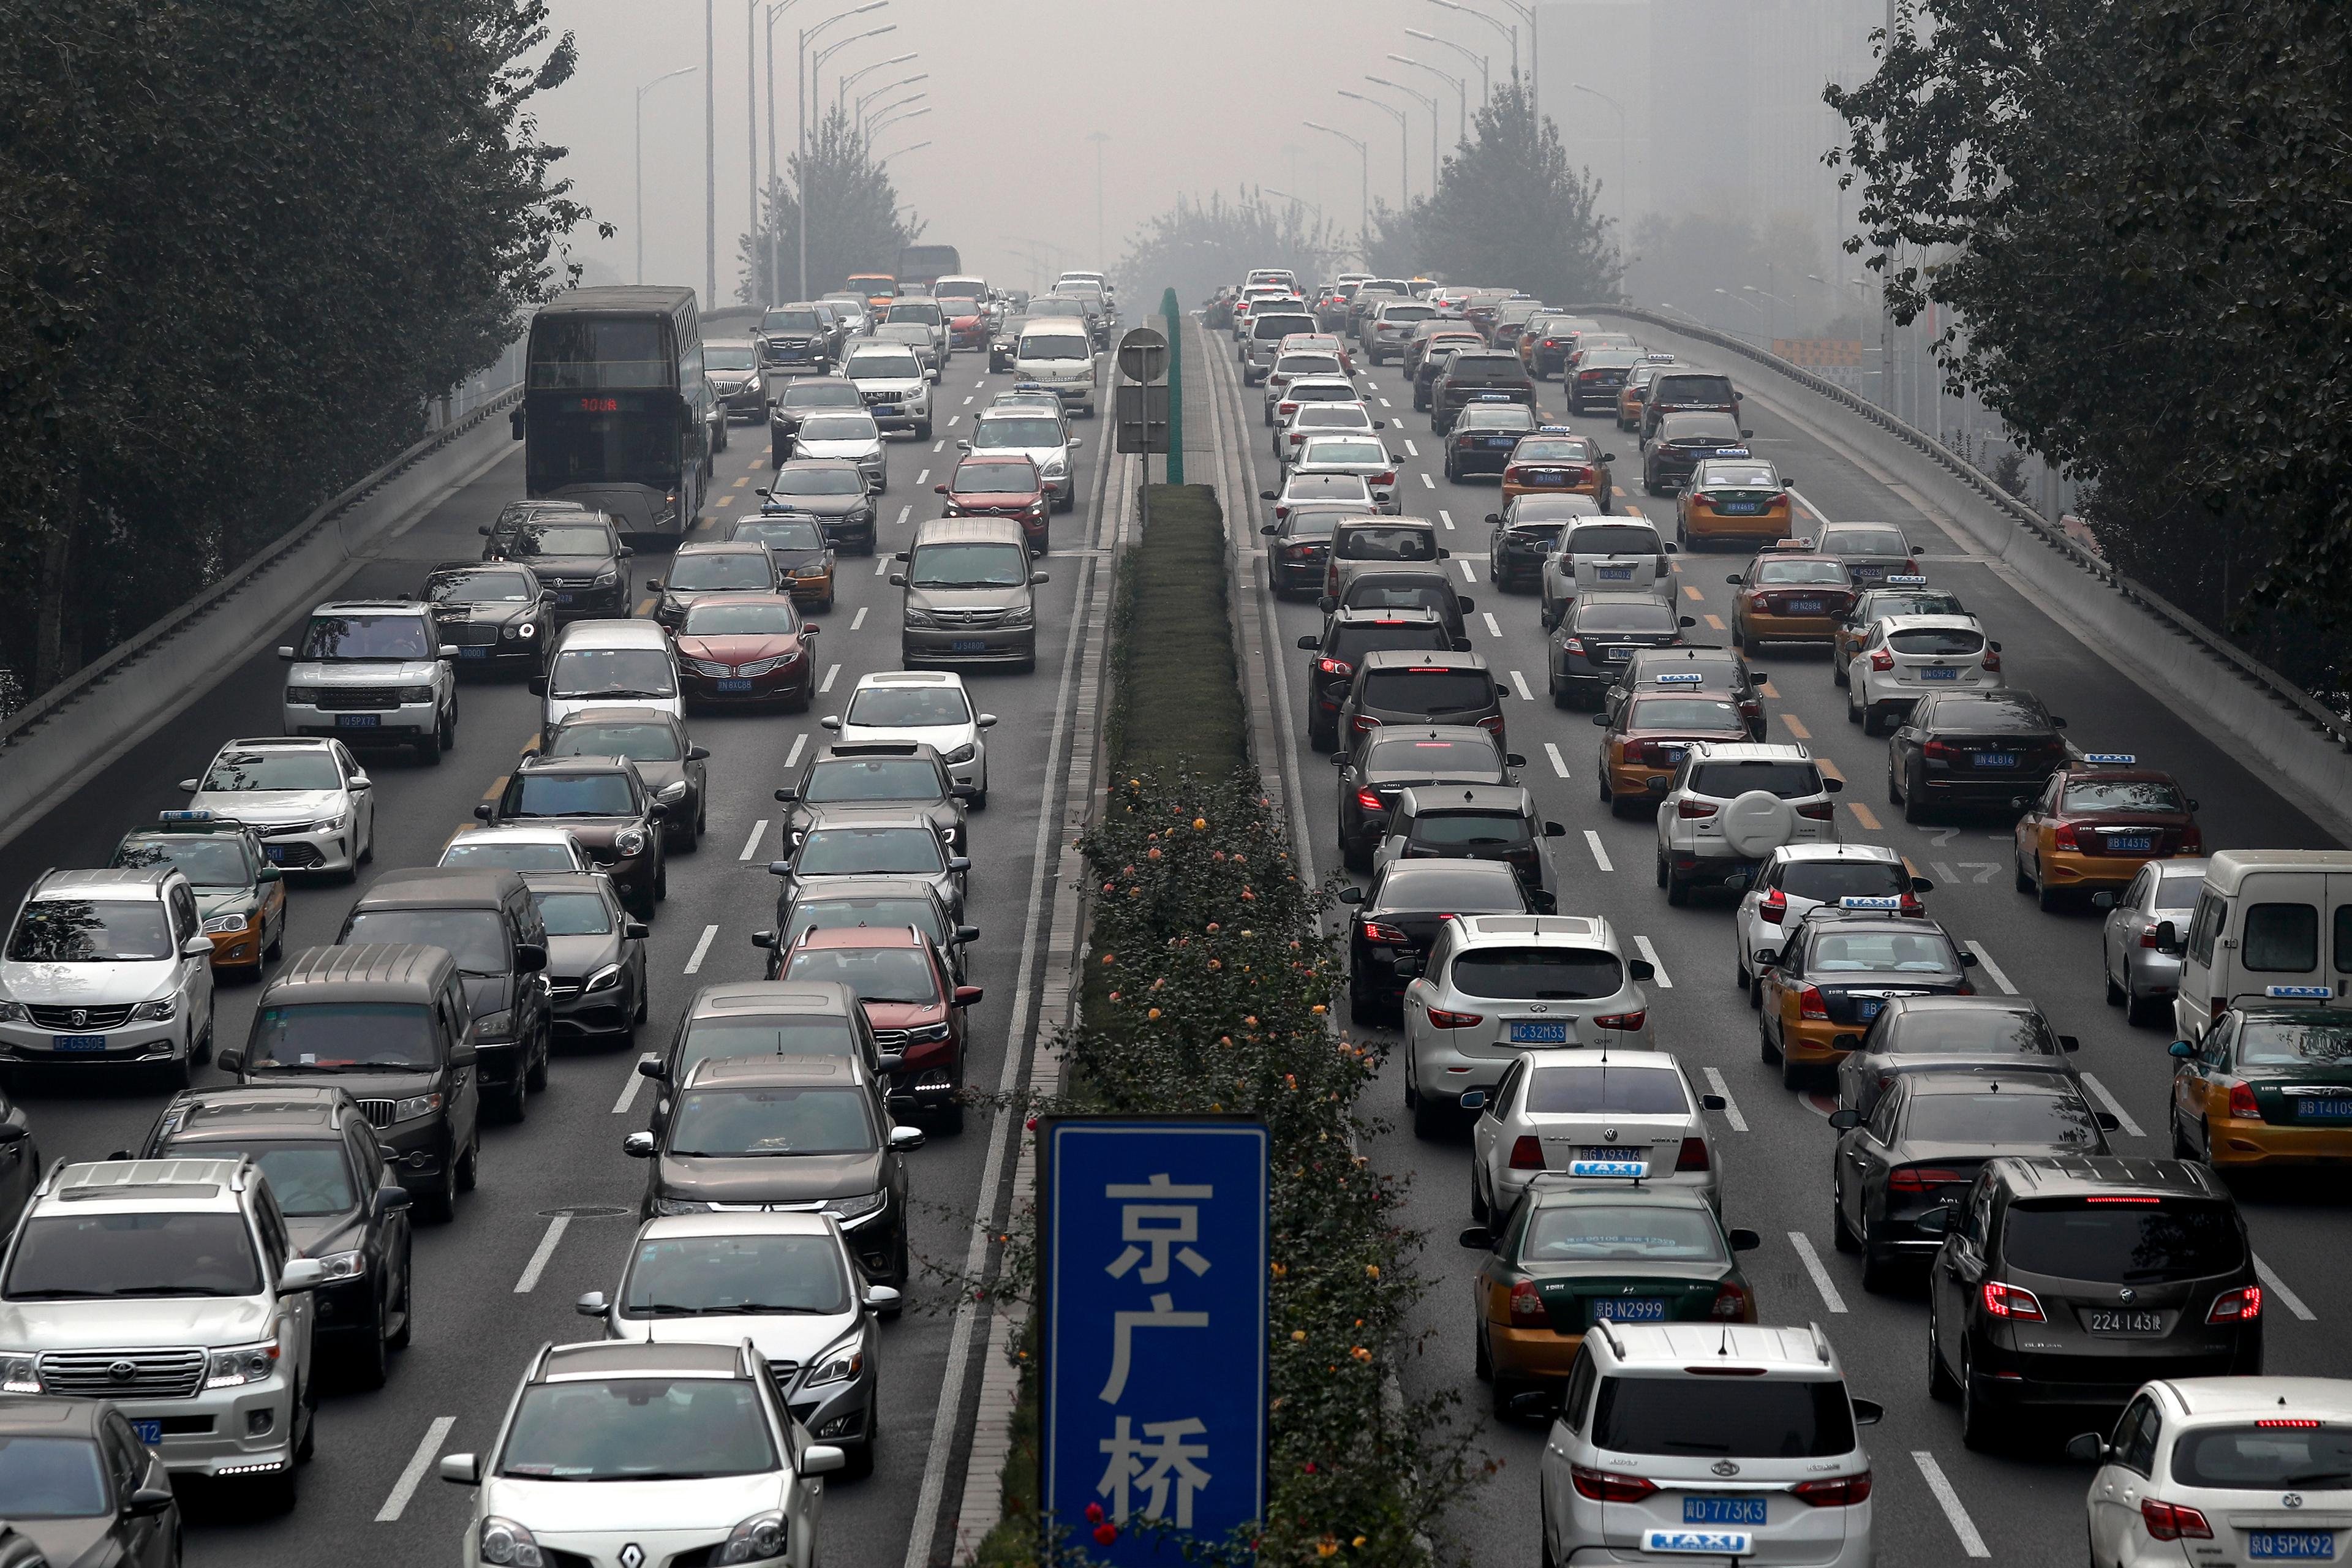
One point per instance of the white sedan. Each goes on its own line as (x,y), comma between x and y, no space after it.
(1626,1117)
(307,799)
(1798,877)
(926,705)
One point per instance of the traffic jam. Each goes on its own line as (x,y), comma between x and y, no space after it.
(1894,1150)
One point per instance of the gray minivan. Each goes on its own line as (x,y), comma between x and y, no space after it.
(968,596)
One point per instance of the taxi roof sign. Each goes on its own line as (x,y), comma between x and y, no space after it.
(1851,902)
(1681,678)
(2111,759)
(1906,580)
(2301,992)
(184,816)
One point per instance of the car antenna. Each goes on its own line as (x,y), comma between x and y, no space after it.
(1725,1347)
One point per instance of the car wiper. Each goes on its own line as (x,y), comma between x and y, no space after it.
(61,1294)
(167,1290)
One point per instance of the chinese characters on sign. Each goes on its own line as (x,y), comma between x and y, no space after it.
(1154,1316)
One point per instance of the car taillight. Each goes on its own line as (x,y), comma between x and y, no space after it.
(1882,660)
(1465,440)
(1817,811)
(1369,801)
(1606,1486)
(2192,842)
(1493,725)
(1551,343)
(1339,667)
(1527,1305)
(1760,602)
(2241,1103)
(1301,553)
(2009,1301)
(1912,906)
(1572,644)
(1440,1018)
(1387,478)
(1510,473)
(2062,838)
(1287,408)
(1940,752)
(1810,1004)
(2242,1305)
(1773,906)
(2148,937)
(1695,808)
(1366,726)
(1623,1022)
(2172,1521)
(1527,1154)
(1692,1156)
(1919,1178)
(1387,936)
(1843,1491)
(1732,1303)
(1579,476)
(1991,659)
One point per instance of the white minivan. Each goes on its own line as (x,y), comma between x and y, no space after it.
(2268,923)
(608,663)
(1057,353)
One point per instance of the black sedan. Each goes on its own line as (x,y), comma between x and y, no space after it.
(1683,441)
(1913,1034)
(1398,920)
(658,743)
(1601,636)
(577,556)
(1483,435)
(896,774)
(595,956)
(1972,748)
(1394,759)
(832,489)
(1697,671)
(496,615)
(1298,547)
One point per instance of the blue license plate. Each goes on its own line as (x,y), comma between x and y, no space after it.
(77,1042)
(1870,573)
(562,598)
(968,644)
(1938,672)
(1722,1510)
(1645,1310)
(1869,1009)
(1538,1034)
(1502,441)
(2130,843)
(473,653)
(1619,655)
(2302,1543)
(1739,507)
(358,720)
(1615,573)
(1996,759)
(1803,607)
(150,1431)
(734,683)
(2324,1110)
(276,852)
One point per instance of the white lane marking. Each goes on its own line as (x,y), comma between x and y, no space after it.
(1520,683)
(1428,483)
(953,420)
(751,845)
(1559,763)
(827,684)
(858,619)
(1468,576)
(545,1251)
(629,1090)
(1599,855)
(436,1432)
(981,382)
(967,402)
(1962,1526)
(2115,1106)
(1819,515)
(1730,1106)
(1493,627)
(1992,969)
(694,964)
(1411,450)
(1446,517)
(940,443)
(2278,1287)
(793,757)
(922,478)
(1386,404)
(1812,1262)
(881,566)
(1652,954)
(908,510)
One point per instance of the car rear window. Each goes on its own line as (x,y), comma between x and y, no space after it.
(1881,953)
(1457,886)
(2124,794)
(1352,643)
(1612,539)
(1264,327)
(1745,1417)
(1538,973)
(1790,780)
(1650,617)
(2124,1240)
(1592,1089)
(1486,368)
(1429,691)
(1787,573)
(1462,757)
(1994,1116)
(1943,1031)
(1938,642)
(1397,593)
(1642,1233)
(1703,713)
(1387,544)
(2264,1455)
(1865,542)
(1698,389)
(2005,713)
(1471,829)
(1827,881)
(2282,939)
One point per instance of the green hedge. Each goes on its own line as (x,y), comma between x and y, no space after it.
(1176,697)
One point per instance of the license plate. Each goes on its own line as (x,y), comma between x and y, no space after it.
(2325,1111)
(968,644)
(2291,1543)
(276,852)
(1646,1310)
(1619,655)
(1502,441)
(2140,842)
(562,598)
(1801,608)
(1613,1170)
(1938,672)
(1722,1510)
(1739,507)
(150,1431)
(1699,1543)
(1869,573)
(358,720)
(734,683)
(1538,1034)
(1615,573)
(1869,1008)
(2105,1320)
(1996,759)
(77,1042)
(1546,477)
(473,653)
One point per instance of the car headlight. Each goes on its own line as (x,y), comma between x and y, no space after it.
(528,630)
(495,1025)
(242,1365)
(1055,470)
(304,694)
(928,1034)
(417,1105)
(1018,619)
(508,1544)
(416,694)
(20,1372)
(680,1205)
(764,667)
(12,1013)
(604,979)
(705,667)
(755,1539)
(808,571)
(351,1264)
(963,753)
(222,925)
(857,1207)
(629,841)
(328,823)
(915,617)
(837,1362)
(158,1011)
(606,579)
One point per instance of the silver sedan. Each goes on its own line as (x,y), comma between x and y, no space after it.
(1630,1116)
(2140,976)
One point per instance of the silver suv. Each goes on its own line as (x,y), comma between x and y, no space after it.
(373,672)
(170,1287)
(109,968)
(1730,803)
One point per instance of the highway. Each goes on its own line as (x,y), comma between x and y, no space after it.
(558,1200)
(1934,1502)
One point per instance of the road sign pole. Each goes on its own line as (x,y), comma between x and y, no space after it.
(1170,311)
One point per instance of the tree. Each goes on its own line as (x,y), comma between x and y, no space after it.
(1199,248)
(1509,209)
(856,227)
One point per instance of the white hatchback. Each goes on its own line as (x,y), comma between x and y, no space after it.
(517,846)
(1630,1116)
(930,706)
(1904,657)
(849,433)
(1364,455)
(1798,879)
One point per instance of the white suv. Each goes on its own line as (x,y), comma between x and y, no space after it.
(109,966)
(1496,988)
(1730,803)
(1796,879)
(169,1287)
(313,807)
(373,672)
(890,378)
(1706,1440)
(1904,657)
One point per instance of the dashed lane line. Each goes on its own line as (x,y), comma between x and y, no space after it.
(1519,684)
(881,566)
(540,1254)
(1730,1106)
(1795,726)
(2278,1287)
(1599,853)
(1861,813)
(1446,517)
(629,1090)
(1714,621)
(1694,593)
(908,510)
(1411,450)
(1559,763)
(1493,627)
(751,845)
(1428,483)
(411,1475)
(793,757)
(1992,969)
(1949,1500)
(2115,1106)
(1468,576)
(924,477)
(1821,1276)
(858,619)
(825,685)
(1657,966)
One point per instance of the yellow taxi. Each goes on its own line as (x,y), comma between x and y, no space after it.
(1556,461)
(2096,823)
(1790,595)
(1833,974)
(1636,390)
(2270,1084)
(1644,738)
(1735,499)
(879,288)
(240,896)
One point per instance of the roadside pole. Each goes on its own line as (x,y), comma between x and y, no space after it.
(1171,313)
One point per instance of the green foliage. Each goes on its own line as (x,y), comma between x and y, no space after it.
(1199,248)
(1178,696)
(1509,210)
(241,246)
(858,228)
(2142,216)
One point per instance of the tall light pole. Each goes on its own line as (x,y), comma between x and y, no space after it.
(640,177)
(1098,138)
(800,92)
(841,92)
(775,275)
(1485,79)
(710,156)
(1364,199)
(1497,22)
(1404,143)
(858,105)
(1461,89)
(1624,190)
(1295,201)
(751,134)
(1428,102)
(816,65)
(866,124)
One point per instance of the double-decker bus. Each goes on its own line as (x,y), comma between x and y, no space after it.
(920,266)
(616,409)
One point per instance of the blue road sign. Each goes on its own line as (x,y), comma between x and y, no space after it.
(1153,1275)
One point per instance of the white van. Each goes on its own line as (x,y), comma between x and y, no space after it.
(1056,353)
(2268,923)
(608,663)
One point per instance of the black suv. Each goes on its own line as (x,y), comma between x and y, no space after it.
(1396,757)
(2072,1280)
(608,806)
(1347,636)
(1682,442)
(1484,434)
(1413,688)
(907,773)
(1679,389)
(576,555)
(1470,376)
(496,615)
(1471,822)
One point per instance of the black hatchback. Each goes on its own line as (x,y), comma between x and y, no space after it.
(1972,748)
(1601,636)
(1410,688)
(1348,635)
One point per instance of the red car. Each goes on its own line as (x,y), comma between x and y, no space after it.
(738,649)
(912,1000)
(997,486)
(967,324)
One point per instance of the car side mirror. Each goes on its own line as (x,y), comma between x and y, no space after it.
(653,583)
(1654,786)
(966,934)
(2069,1043)
(592,1305)
(1535,1405)
(1310,642)
(1845,1120)
(702,754)
(1714,1102)
(1601,721)
(788,793)
(903,1139)
(898,579)
(285,652)
(1868,1412)
(188,786)
(1269,530)
(1477,1236)
(1608,457)
(1922,885)
(12,1132)
(968,995)
(2088,1448)
(530,957)
(538,686)
(1735,579)
(1265,495)
(821,1459)
(1832,786)
(1380,423)
(1935,1221)
(963,791)
(2168,936)
(1554,830)
(830,721)
(464,1053)
(638,1145)
(461,1469)
(1743,1240)
(891,1061)
(1968,959)
(1542,902)
(1496,517)
(1745,435)
(229,1060)
(1689,621)
(653,1067)
(2107,1119)
(1352,895)
(2185,1051)
(1768,958)
(484,811)
(960,863)
(1039,579)
(196,947)
(147,1501)
(1464,602)
(2057,723)
(446,650)
(779,868)
(1640,969)
(301,1274)
(1408,966)
(939,490)
(763,939)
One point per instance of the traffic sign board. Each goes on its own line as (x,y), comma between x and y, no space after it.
(1143,355)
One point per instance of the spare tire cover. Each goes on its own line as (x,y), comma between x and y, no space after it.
(1758,823)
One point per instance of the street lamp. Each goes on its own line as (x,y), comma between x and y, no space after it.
(841,93)
(1461,88)
(640,178)
(816,66)
(865,122)
(902,151)
(1624,190)
(1293,201)
(1364,200)
(1495,21)
(889,119)
(858,105)
(1428,102)
(774,11)
(1768,327)
(1404,143)
(1485,85)
(801,83)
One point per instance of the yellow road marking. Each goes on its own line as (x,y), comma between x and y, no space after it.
(645,606)
(723,500)
(742,482)
(1694,593)
(1909,868)
(1763,685)
(1797,728)
(1716,623)
(1861,814)
(1829,769)
(498,787)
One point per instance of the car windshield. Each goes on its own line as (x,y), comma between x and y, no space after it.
(1742,1417)
(477,938)
(2263,1455)
(820,393)
(872,973)
(573,914)
(1611,539)
(1649,617)
(1351,643)
(1022,433)
(994,476)
(1882,952)
(789,321)
(638,742)
(638,1429)
(2322,1039)
(1580,1232)
(870,851)
(242,772)
(87,930)
(783,533)
(735,1275)
(830,914)
(797,1034)
(1707,715)
(737,1124)
(611,672)
(1827,881)
(1788,779)
(208,862)
(1471,829)
(1381,543)
(705,573)
(776,618)
(1863,542)
(1457,886)
(480,588)
(556,539)
(1593,1089)
(980,564)
(307,1179)
(1428,691)
(729,356)
(1055,346)
(51,1478)
(837,779)
(327,1036)
(884,364)
(907,707)
(2124,1240)
(1937,642)
(2122,795)
(1997,1116)
(569,794)
(77,1256)
(1788,571)
(508,855)
(352,637)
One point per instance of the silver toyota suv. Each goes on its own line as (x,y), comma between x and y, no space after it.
(170,1287)
(373,672)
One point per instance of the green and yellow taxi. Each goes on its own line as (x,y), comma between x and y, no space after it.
(1790,595)
(240,894)
(2269,1085)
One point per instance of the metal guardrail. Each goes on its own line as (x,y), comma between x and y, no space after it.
(117,659)
(2318,715)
